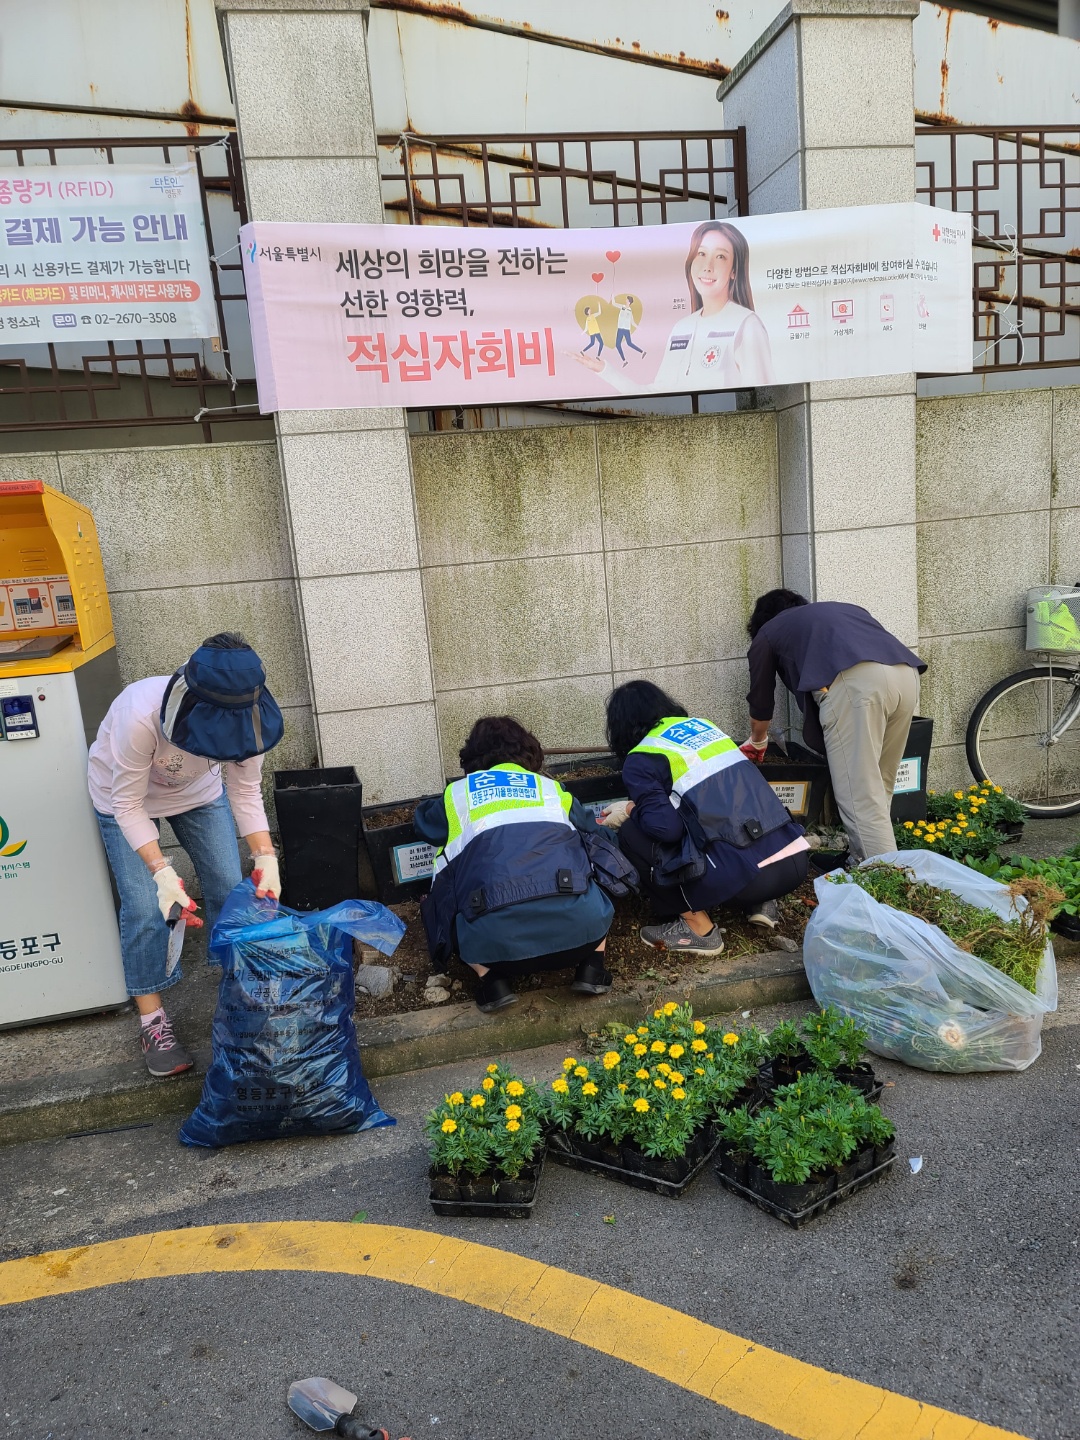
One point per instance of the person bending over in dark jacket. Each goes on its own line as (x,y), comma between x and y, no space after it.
(692,790)
(513,891)
(858,688)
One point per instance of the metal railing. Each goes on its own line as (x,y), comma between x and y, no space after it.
(1021,186)
(564,180)
(109,383)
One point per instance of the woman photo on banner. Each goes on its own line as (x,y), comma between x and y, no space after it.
(722,343)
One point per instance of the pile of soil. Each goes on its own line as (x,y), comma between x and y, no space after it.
(626,957)
(383,819)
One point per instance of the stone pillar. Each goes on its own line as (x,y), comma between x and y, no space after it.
(299,76)
(827,100)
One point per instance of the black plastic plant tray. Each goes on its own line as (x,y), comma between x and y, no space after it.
(633,1178)
(1067,926)
(489,1209)
(766,1084)
(796,1218)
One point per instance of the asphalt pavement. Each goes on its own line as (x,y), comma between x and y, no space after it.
(957,1285)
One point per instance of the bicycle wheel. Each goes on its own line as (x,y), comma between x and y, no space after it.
(1022,736)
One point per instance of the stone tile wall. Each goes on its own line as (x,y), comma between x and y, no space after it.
(998,511)
(559,561)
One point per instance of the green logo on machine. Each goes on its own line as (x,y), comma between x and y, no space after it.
(16,847)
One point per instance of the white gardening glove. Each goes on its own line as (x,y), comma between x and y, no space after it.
(266,876)
(170,892)
(614,815)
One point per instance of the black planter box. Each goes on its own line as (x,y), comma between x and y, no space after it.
(663,1177)
(864,1077)
(591,789)
(911,804)
(322,842)
(831,1192)
(800,780)
(381,842)
(510,1199)
(1067,926)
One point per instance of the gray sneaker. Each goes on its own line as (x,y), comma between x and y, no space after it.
(677,935)
(163,1053)
(766,915)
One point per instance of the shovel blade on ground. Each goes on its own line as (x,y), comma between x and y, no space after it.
(320,1402)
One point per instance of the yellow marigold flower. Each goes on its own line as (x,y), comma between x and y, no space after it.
(611,1059)
(588,1088)
(658,1014)
(699,1027)
(676,1078)
(449,1126)
(676,1051)
(560,1086)
(658,1047)
(670,1008)
(493,1069)
(641,1074)
(663,1068)
(515,1088)
(956,830)
(640,1050)
(698,1070)
(961,818)
(969,835)
(678,1094)
(958,794)
(478,1102)
(643,1029)
(708,1055)
(974,787)
(487,1083)
(457,1098)
(513,1125)
(698,1046)
(581,1072)
(998,790)
(660,1084)
(731,1038)
(909,825)
(513,1112)
(930,838)
(569,1063)
(641,1106)
(630,1039)
(622,1084)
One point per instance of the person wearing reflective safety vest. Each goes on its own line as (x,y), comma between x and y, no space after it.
(702,826)
(513,889)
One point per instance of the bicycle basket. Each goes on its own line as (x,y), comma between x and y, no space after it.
(1053,619)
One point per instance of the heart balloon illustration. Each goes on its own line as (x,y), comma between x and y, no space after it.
(597,276)
(613,255)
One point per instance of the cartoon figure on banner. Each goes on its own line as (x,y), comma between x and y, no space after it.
(722,343)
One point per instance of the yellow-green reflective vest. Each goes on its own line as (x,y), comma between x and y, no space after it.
(488,799)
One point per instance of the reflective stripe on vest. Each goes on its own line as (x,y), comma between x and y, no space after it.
(489,798)
(694,749)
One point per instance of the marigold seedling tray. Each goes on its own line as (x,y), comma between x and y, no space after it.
(489,1209)
(633,1178)
(766,1085)
(797,1218)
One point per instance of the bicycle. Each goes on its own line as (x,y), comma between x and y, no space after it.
(1021,734)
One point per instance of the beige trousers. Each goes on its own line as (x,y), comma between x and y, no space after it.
(865,717)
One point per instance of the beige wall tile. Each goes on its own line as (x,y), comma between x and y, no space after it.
(983,454)
(395,751)
(559,712)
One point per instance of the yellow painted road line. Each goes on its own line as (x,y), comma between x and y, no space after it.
(793,1397)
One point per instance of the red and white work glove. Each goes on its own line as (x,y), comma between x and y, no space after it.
(266,877)
(754,750)
(170,892)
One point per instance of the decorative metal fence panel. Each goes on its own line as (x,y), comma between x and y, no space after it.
(1021,186)
(110,383)
(564,181)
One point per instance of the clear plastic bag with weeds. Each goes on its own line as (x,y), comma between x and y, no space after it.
(921,998)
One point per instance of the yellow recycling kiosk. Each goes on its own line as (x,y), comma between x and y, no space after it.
(59,943)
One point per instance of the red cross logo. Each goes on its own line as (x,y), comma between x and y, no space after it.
(936,233)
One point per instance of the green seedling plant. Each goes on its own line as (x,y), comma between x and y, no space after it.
(1062,872)
(496,1126)
(785,1041)
(813,1125)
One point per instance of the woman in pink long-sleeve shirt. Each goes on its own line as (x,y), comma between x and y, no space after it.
(187,747)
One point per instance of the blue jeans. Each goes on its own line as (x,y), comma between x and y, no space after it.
(208,834)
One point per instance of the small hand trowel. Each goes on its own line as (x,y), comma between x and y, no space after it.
(326,1406)
(177,925)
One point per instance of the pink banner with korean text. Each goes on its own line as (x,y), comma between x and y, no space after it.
(346,316)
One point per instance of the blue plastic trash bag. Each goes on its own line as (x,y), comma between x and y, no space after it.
(286,1060)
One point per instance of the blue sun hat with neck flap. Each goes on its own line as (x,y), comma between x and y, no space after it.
(218,706)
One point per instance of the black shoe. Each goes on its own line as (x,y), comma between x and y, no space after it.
(591,978)
(494,993)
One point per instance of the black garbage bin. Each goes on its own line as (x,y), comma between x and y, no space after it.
(322,840)
(909,797)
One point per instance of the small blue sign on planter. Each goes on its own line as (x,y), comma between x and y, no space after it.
(908,775)
(412,862)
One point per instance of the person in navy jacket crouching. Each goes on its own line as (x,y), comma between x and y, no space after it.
(513,890)
(701,826)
